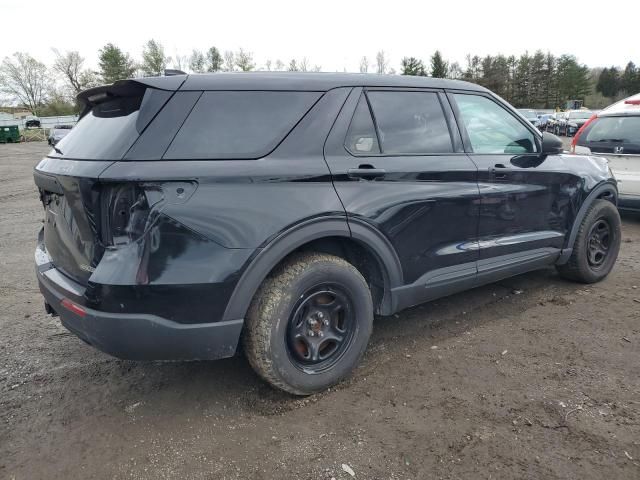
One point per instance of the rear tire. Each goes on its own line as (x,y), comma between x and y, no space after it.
(597,244)
(309,323)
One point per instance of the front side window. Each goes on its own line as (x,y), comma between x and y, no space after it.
(491,128)
(410,122)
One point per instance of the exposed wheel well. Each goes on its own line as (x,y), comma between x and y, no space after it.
(359,256)
(609,196)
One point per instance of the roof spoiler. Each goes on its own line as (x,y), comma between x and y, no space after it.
(127,88)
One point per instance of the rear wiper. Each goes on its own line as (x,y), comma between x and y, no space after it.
(611,140)
(58,151)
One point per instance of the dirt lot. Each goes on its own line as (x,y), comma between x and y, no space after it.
(533,377)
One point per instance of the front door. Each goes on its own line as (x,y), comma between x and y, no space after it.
(398,165)
(528,201)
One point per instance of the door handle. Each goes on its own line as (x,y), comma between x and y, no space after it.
(499,171)
(367,172)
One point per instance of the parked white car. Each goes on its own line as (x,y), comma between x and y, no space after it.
(614,133)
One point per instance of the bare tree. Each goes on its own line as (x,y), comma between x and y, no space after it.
(293,66)
(180,62)
(267,65)
(364,65)
(455,72)
(279,65)
(244,60)
(303,66)
(69,66)
(229,61)
(381,62)
(24,79)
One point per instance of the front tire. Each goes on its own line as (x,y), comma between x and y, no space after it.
(309,323)
(597,244)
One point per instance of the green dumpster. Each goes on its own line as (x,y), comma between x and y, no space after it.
(9,134)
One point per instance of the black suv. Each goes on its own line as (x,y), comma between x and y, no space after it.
(186,213)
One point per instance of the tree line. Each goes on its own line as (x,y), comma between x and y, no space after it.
(540,80)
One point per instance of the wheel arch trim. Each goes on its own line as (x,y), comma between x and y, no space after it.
(596,192)
(314,229)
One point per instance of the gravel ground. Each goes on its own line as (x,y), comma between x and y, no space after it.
(532,377)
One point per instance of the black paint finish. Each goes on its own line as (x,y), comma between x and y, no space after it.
(211,230)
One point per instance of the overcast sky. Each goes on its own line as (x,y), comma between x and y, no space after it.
(332,34)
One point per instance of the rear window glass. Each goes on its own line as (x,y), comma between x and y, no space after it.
(227,124)
(615,129)
(111,127)
(105,133)
(410,123)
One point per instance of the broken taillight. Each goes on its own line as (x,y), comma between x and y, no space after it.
(130,209)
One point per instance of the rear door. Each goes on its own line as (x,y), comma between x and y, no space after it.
(398,165)
(527,203)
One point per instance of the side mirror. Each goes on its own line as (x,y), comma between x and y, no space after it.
(551,145)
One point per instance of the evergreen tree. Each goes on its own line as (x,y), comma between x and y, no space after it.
(573,79)
(114,64)
(214,60)
(413,66)
(197,62)
(439,67)
(154,61)
(608,82)
(630,80)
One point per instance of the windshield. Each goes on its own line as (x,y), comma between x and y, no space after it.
(581,115)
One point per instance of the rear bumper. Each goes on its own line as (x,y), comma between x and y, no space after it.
(134,336)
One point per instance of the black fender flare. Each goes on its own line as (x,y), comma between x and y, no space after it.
(596,193)
(337,226)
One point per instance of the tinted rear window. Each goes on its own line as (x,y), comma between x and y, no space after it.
(111,127)
(226,124)
(410,122)
(615,129)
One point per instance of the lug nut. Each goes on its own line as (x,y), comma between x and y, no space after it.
(320,315)
(320,334)
(311,333)
(325,322)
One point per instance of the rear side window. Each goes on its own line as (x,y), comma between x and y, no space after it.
(491,128)
(361,137)
(614,129)
(410,122)
(239,124)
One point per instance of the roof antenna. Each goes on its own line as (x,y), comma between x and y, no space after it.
(170,72)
